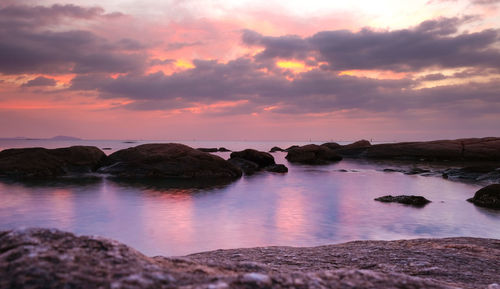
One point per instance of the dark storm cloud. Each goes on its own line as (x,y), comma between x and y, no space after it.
(433,43)
(27,45)
(40,81)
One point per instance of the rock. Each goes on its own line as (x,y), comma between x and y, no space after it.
(106,149)
(487,149)
(485,173)
(251,161)
(416,201)
(331,145)
(276,149)
(312,154)
(262,159)
(279,168)
(248,167)
(223,149)
(416,171)
(488,197)
(41,258)
(291,147)
(167,160)
(358,144)
(208,150)
(46,163)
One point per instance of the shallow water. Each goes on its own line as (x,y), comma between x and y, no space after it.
(311,205)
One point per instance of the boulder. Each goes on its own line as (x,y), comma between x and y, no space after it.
(358,144)
(46,163)
(332,145)
(278,168)
(312,154)
(276,149)
(416,201)
(43,258)
(223,149)
(248,167)
(167,160)
(291,147)
(262,159)
(488,197)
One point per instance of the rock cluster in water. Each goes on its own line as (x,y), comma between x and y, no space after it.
(41,258)
(251,161)
(312,154)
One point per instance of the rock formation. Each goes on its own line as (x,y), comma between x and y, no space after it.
(167,160)
(488,197)
(312,154)
(41,258)
(48,163)
(416,201)
(251,161)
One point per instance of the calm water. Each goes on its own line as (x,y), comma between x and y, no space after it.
(311,205)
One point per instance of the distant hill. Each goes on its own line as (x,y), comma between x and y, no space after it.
(64,137)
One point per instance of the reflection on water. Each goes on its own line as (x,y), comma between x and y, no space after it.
(308,206)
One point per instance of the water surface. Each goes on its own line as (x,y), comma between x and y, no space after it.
(311,205)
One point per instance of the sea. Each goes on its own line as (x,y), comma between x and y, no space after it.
(308,206)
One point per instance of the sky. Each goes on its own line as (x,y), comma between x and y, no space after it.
(250,70)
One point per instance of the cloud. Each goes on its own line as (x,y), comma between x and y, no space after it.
(28,45)
(431,44)
(40,81)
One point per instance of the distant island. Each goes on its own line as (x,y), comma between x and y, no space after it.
(64,137)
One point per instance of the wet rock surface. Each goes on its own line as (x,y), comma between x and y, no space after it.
(48,163)
(251,161)
(312,154)
(488,197)
(41,258)
(168,160)
(416,201)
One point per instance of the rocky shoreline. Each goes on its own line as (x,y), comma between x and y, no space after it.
(43,258)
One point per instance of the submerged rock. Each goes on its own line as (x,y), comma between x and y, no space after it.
(416,201)
(312,154)
(47,163)
(41,258)
(488,197)
(208,150)
(167,160)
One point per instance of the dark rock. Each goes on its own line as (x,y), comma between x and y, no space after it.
(358,144)
(291,147)
(276,149)
(487,149)
(46,163)
(312,154)
(393,170)
(41,258)
(262,159)
(248,167)
(223,149)
(488,197)
(331,145)
(278,168)
(167,160)
(106,149)
(208,150)
(417,201)
(484,173)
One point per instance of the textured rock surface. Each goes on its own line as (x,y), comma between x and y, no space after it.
(312,154)
(416,201)
(38,258)
(262,159)
(169,160)
(460,149)
(488,197)
(44,163)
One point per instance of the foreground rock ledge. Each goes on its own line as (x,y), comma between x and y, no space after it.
(42,258)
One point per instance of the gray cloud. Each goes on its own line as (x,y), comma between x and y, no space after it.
(433,43)
(40,81)
(27,45)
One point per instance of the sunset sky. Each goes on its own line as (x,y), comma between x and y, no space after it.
(250,70)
